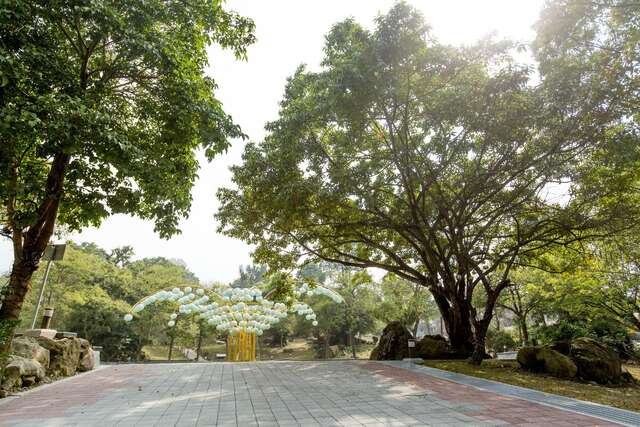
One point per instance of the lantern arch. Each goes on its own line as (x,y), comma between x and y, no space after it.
(242,313)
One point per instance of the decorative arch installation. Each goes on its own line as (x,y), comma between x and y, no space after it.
(241,313)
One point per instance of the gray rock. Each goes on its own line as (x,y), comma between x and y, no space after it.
(29,348)
(64,354)
(19,371)
(87,357)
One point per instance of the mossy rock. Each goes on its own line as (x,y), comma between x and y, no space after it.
(595,361)
(527,359)
(547,360)
(432,347)
(563,347)
(393,344)
(556,364)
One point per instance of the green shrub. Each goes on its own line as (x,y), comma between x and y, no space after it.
(499,340)
(602,329)
(564,330)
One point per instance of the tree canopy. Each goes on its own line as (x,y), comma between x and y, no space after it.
(102,107)
(441,165)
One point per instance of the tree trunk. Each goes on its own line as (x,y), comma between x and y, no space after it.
(19,285)
(480,328)
(28,248)
(457,323)
(170,347)
(326,346)
(353,345)
(479,351)
(525,330)
(199,347)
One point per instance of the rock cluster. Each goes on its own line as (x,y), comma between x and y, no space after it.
(34,359)
(584,358)
(393,345)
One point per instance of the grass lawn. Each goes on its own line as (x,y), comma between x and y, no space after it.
(160,352)
(507,371)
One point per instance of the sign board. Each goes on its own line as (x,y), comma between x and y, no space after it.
(411,343)
(54,252)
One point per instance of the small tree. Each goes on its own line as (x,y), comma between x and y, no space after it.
(98,318)
(612,279)
(121,256)
(406,302)
(353,316)
(524,297)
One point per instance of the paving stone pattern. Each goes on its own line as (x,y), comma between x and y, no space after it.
(348,393)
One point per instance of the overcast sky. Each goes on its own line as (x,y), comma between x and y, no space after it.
(289,33)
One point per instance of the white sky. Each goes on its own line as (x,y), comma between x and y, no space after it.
(289,32)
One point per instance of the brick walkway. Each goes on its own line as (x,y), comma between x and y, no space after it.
(272,394)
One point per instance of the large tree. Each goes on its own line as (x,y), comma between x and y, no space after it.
(102,107)
(438,164)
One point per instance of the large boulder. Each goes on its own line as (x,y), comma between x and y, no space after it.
(595,361)
(29,348)
(64,353)
(547,360)
(21,370)
(563,347)
(87,358)
(432,347)
(557,364)
(527,358)
(393,344)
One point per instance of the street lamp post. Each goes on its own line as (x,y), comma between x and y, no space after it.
(51,253)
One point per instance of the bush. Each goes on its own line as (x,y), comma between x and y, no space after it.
(602,329)
(564,330)
(499,341)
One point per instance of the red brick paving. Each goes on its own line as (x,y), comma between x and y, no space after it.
(59,397)
(496,407)
(66,399)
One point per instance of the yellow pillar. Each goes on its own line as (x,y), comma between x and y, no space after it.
(241,347)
